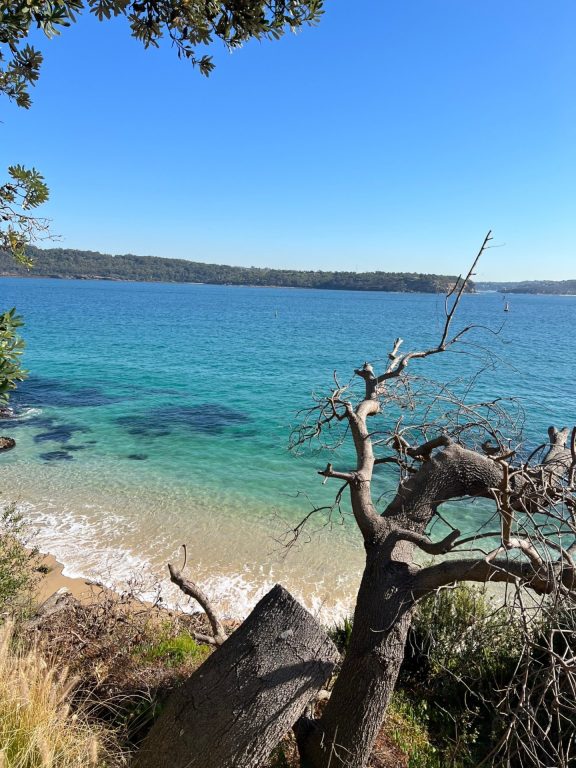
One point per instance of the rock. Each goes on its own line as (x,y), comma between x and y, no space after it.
(61,600)
(7,443)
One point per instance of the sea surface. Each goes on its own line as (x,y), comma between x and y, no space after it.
(157,415)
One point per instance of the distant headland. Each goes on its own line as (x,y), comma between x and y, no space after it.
(558,287)
(66,263)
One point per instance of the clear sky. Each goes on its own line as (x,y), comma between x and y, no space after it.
(390,137)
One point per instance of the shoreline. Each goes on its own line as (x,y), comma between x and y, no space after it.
(124,537)
(55,579)
(115,279)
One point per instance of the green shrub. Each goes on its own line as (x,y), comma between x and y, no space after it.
(406,724)
(462,650)
(18,566)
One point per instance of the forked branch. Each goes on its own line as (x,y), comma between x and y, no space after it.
(446,544)
(399,362)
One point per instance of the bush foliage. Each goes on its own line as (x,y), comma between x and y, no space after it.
(18,565)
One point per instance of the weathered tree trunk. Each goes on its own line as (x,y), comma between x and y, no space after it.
(237,706)
(345,734)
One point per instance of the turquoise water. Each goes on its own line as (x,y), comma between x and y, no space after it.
(159,414)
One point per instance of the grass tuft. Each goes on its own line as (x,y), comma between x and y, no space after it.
(174,651)
(38,728)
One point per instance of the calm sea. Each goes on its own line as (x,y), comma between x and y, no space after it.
(156,415)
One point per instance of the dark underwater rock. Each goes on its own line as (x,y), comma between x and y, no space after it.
(59,433)
(56,456)
(206,418)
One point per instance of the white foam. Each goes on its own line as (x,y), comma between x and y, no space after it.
(82,542)
(27,413)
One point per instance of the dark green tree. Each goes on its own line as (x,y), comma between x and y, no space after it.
(24,191)
(11,347)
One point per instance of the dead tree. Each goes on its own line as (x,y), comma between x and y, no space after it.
(463,457)
(237,706)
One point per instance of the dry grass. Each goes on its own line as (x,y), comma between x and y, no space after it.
(38,728)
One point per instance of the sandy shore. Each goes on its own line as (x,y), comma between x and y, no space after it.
(54,580)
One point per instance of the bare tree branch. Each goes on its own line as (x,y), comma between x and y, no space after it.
(426,545)
(484,571)
(331,472)
(191,589)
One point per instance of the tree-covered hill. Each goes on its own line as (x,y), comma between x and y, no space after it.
(565,287)
(68,263)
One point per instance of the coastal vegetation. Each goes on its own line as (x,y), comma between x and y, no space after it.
(69,263)
(68,703)
(18,566)
(38,727)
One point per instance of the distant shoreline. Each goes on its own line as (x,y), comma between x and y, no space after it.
(103,278)
(66,263)
(74,264)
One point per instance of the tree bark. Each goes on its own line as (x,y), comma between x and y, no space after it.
(237,706)
(346,732)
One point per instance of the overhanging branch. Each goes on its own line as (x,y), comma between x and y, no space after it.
(543,581)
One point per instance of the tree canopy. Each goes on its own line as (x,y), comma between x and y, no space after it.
(188,24)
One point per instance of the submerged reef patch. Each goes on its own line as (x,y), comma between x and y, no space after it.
(55,431)
(60,393)
(59,433)
(207,418)
(56,456)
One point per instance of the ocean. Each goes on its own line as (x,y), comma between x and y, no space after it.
(157,415)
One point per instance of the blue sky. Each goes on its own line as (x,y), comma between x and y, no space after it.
(392,136)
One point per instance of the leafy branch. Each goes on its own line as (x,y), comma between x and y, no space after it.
(25,191)
(11,348)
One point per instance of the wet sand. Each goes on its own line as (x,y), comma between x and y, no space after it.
(55,579)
